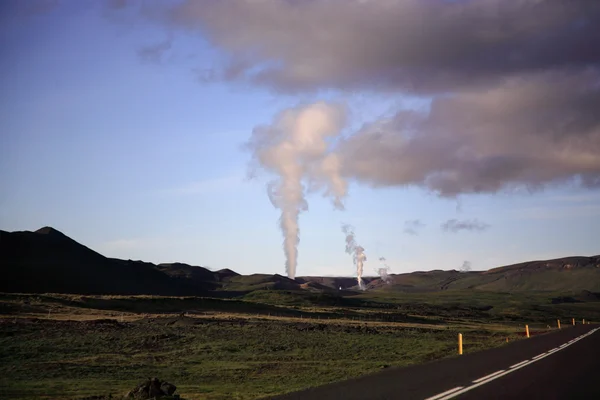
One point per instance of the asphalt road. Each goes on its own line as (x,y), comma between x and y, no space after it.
(535,368)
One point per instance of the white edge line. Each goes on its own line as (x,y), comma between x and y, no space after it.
(488,376)
(436,397)
(519,364)
(454,394)
(538,356)
(468,388)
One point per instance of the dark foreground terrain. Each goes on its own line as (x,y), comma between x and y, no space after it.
(217,358)
(70,346)
(558,365)
(76,324)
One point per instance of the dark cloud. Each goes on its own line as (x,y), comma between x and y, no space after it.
(454,225)
(514,85)
(413,226)
(531,131)
(410,45)
(155,53)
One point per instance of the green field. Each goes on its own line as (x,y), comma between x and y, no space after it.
(65,346)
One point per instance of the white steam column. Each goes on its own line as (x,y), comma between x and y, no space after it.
(357,252)
(295,148)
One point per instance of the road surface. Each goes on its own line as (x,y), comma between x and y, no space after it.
(560,365)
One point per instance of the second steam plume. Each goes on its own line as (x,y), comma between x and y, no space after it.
(384,272)
(357,252)
(295,149)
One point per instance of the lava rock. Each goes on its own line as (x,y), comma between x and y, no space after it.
(152,388)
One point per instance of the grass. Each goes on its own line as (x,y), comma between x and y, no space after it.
(220,359)
(245,349)
(484,306)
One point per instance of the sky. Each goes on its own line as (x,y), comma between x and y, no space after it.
(244,134)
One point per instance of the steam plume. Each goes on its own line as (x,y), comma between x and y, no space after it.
(466,266)
(503,77)
(357,252)
(294,148)
(384,271)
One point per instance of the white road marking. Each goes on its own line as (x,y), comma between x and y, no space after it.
(444,394)
(488,376)
(482,381)
(454,394)
(519,364)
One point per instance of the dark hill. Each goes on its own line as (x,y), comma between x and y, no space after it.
(559,263)
(260,282)
(568,274)
(51,232)
(333,282)
(225,274)
(47,261)
(198,276)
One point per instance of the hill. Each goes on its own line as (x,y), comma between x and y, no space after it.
(49,261)
(260,282)
(332,282)
(569,274)
(199,277)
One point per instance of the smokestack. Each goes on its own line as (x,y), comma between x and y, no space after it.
(357,252)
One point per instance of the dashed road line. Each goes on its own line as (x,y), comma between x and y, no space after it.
(439,396)
(519,364)
(498,374)
(488,376)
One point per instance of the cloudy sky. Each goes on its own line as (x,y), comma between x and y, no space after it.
(217,133)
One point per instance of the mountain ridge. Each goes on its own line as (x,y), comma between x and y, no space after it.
(47,260)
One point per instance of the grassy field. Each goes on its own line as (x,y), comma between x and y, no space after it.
(70,347)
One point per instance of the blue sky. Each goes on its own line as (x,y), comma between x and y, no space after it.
(142,160)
